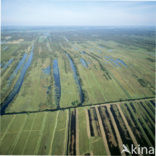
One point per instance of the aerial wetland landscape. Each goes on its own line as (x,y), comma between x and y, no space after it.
(77,90)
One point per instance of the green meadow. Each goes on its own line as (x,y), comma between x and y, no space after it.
(78,91)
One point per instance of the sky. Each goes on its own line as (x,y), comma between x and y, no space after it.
(77,13)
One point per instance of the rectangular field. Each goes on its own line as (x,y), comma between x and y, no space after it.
(96,130)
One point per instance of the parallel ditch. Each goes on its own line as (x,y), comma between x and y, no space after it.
(93,122)
(71,140)
(121,126)
(18,84)
(135,128)
(109,131)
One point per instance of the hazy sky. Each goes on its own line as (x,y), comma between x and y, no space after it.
(74,12)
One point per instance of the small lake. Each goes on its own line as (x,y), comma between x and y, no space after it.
(18,84)
(56,75)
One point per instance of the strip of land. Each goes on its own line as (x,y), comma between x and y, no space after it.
(91,105)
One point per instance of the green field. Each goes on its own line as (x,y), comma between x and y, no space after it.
(99,97)
(46,133)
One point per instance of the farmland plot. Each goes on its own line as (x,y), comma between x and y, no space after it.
(35,80)
(96,130)
(144,135)
(83,93)
(34,126)
(67,84)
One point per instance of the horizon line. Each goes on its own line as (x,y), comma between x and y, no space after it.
(76,25)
